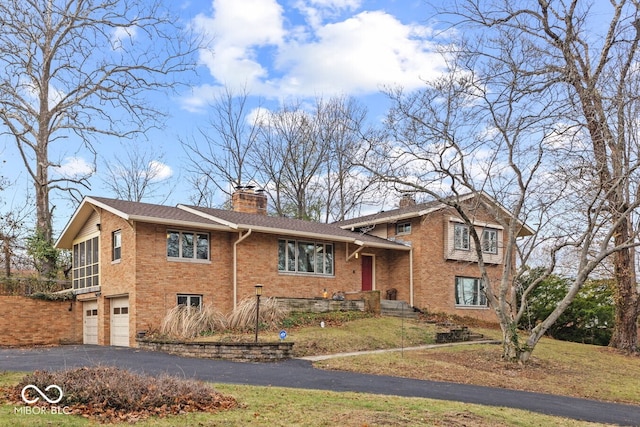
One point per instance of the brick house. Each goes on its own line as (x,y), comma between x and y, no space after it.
(134,261)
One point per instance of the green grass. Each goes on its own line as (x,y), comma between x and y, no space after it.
(359,335)
(273,406)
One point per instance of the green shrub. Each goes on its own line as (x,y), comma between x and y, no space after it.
(588,319)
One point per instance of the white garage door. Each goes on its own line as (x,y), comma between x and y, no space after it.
(120,321)
(90,322)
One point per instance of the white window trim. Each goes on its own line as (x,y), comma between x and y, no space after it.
(113,246)
(76,267)
(189,296)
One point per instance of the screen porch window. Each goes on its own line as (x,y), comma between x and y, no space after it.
(86,267)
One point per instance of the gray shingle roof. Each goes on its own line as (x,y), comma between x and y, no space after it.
(384,216)
(207,218)
(282,225)
(139,210)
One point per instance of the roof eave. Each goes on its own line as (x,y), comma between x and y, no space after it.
(322,236)
(393,218)
(179,223)
(213,218)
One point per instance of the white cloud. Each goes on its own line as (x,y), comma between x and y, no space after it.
(360,55)
(255,46)
(159,171)
(120,34)
(237,29)
(74,167)
(316,11)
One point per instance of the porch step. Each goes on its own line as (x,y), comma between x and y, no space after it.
(396,308)
(455,333)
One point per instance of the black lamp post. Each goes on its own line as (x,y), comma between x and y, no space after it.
(258,293)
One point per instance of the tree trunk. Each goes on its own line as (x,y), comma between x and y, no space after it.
(510,344)
(625,332)
(43,212)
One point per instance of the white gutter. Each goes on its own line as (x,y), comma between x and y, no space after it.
(411,277)
(318,236)
(235,265)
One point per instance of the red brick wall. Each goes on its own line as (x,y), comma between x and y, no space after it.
(152,282)
(434,276)
(38,322)
(258,264)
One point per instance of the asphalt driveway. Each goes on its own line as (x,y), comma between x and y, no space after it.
(301,374)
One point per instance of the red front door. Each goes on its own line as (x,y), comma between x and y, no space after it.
(367,273)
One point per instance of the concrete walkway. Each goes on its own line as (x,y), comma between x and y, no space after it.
(395,350)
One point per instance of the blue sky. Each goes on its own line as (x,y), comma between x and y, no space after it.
(276,49)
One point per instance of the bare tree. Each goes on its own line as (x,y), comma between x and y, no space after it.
(140,175)
(289,157)
(219,154)
(305,155)
(73,70)
(346,186)
(13,219)
(598,71)
(488,127)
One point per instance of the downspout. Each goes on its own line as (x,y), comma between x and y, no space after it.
(235,264)
(411,277)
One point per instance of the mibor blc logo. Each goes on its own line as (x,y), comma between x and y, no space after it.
(53,400)
(32,394)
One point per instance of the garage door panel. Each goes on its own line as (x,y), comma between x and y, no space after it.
(90,322)
(120,321)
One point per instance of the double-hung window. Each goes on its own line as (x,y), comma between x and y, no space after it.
(116,250)
(470,292)
(305,257)
(461,237)
(187,245)
(490,241)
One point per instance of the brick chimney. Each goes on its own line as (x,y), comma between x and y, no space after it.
(247,200)
(406,201)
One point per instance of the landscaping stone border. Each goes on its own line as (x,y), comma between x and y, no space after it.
(238,352)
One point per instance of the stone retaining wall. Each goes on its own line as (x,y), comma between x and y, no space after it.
(320,305)
(239,352)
